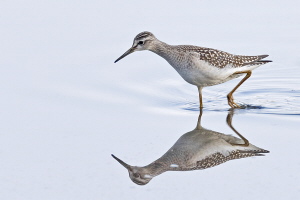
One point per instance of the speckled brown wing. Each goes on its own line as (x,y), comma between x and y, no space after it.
(240,61)
(221,59)
(218,158)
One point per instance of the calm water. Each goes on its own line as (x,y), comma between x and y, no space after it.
(66,107)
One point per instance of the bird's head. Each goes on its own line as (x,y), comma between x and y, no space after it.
(143,41)
(138,175)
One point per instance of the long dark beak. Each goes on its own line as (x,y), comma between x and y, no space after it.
(121,162)
(126,53)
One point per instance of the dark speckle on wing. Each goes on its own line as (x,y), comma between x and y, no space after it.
(218,158)
(221,59)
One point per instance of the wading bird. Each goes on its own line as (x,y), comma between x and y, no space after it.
(200,66)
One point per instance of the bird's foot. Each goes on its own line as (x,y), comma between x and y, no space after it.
(231,103)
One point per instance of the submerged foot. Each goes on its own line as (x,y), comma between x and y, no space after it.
(231,102)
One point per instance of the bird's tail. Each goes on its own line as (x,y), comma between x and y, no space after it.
(261,61)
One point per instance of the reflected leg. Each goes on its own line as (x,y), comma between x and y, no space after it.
(229,123)
(200,96)
(199,119)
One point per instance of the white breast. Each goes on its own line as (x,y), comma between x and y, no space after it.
(199,72)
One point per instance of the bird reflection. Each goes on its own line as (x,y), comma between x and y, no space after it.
(198,149)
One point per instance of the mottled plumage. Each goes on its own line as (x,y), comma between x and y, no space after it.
(219,58)
(200,66)
(198,149)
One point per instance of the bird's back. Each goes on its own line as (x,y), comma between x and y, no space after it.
(206,66)
(219,58)
(203,148)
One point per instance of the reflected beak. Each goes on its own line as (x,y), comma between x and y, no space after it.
(131,50)
(121,162)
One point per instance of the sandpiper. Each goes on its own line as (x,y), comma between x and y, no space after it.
(200,66)
(197,149)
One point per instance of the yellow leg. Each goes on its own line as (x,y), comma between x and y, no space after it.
(229,96)
(200,96)
(229,123)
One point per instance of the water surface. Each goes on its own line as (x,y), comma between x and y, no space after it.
(66,107)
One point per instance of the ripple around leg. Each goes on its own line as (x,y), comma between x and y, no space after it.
(250,106)
(267,92)
(273,101)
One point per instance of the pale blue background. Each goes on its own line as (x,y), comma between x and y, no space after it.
(65,106)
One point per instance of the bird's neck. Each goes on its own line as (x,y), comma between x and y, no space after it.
(162,49)
(156,168)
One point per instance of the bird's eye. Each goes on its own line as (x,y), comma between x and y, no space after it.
(136,175)
(141,42)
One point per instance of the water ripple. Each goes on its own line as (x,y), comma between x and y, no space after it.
(268,91)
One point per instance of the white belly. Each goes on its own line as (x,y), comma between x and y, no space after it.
(201,73)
